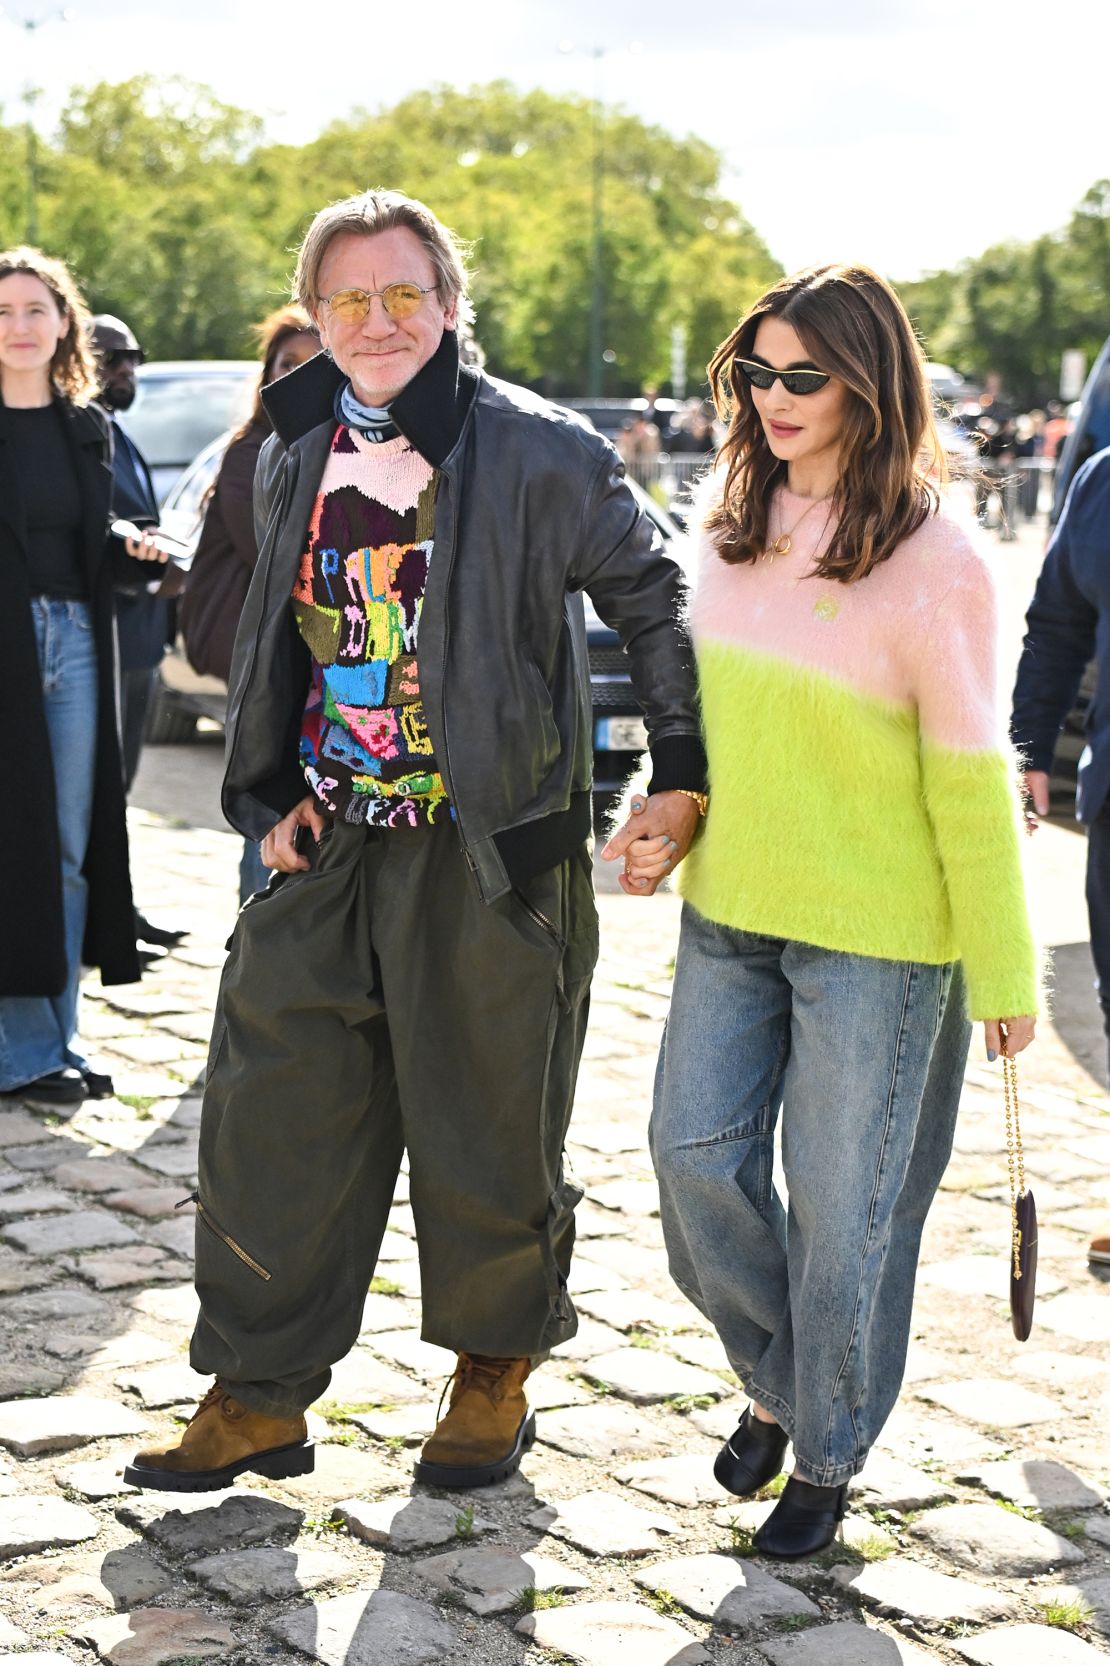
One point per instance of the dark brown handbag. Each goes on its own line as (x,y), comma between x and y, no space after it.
(1023,1212)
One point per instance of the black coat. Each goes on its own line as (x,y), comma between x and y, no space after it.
(32,942)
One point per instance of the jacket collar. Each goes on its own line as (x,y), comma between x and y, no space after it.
(430,411)
(89,424)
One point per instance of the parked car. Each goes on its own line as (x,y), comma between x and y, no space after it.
(183,404)
(609,416)
(947,384)
(620,736)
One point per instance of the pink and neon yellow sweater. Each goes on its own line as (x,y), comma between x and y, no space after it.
(862,792)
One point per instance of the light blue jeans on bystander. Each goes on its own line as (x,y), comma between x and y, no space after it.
(253,875)
(865,1058)
(38,1034)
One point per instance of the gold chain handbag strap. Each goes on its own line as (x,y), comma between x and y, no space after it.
(1014,1152)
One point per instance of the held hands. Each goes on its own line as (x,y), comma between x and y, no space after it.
(278,847)
(653,841)
(1018,1033)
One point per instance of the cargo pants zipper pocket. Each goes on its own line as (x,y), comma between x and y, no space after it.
(217,1231)
(540,919)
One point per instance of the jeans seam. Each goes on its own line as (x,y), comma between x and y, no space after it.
(911,975)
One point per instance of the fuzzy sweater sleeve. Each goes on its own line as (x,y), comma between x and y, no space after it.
(970,784)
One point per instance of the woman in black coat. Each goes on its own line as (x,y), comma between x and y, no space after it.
(65,892)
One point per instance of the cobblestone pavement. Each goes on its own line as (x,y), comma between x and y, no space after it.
(979,1531)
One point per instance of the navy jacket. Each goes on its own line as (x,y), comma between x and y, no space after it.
(1069,622)
(142,619)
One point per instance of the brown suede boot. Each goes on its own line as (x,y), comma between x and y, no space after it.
(221,1440)
(487,1429)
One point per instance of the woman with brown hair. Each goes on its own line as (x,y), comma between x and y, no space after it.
(220,576)
(65,893)
(856,895)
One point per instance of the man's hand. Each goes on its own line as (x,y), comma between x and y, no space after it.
(1035,788)
(143,548)
(278,848)
(653,841)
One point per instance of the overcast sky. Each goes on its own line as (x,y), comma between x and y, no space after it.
(907,135)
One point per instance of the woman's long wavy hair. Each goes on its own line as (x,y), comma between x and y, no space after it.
(853,325)
(72,371)
(273,332)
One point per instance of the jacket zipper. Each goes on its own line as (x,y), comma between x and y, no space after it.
(225,1237)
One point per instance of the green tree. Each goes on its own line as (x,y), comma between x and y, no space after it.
(176,214)
(1017,307)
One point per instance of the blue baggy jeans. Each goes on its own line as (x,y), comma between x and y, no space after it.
(865,1057)
(38,1034)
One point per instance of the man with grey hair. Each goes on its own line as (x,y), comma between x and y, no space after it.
(410,735)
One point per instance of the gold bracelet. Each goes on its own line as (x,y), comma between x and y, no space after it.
(700,799)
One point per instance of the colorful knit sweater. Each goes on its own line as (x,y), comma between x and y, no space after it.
(862,793)
(365,748)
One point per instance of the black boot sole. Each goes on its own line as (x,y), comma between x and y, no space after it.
(161,937)
(280,1463)
(458,1476)
(68,1094)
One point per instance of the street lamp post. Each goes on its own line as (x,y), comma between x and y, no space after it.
(31,94)
(595,360)
(595,366)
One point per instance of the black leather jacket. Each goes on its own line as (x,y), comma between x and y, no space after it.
(532,509)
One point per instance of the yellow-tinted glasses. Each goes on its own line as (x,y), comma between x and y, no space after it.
(400,301)
(763,376)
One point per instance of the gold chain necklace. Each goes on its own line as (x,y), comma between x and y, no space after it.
(782,544)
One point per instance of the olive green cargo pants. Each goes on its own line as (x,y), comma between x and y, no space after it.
(371,1006)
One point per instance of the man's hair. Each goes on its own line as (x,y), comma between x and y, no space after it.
(369,213)
(73,371)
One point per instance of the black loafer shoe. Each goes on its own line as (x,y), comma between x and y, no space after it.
(804,1521)
(97,1084)
(60,1087)
(163,937)
(751,1457)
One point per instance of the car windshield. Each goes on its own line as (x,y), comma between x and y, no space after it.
(174,416)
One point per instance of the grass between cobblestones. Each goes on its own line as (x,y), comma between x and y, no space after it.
(531,1600)
(1066,1615)
(384,1287)
(665,1604)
